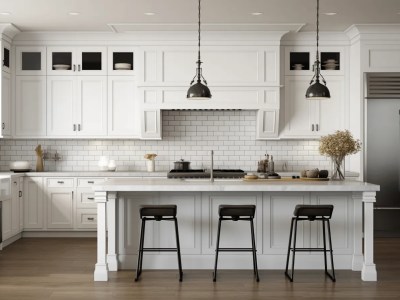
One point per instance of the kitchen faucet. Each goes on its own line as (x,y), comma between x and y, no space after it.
(212,166)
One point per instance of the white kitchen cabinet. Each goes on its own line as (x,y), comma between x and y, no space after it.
(267,123)
(5,197)
(76,106)
(30,106)
(30,60)
(60,206)
(33,198)
(122,55)
(151,124)
(306,118)
(15,206)
(123,110)
(5,104)
(76,60)
(21,204)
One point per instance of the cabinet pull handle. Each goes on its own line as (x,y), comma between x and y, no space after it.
(20,194)
(91,182)
(72,194)
(74,127)
(15,182)
(312,127)
(317,127)
(74,67)
(79,127)
(61,182)
(90,198)
(90,219)
(3,125)
(79,68)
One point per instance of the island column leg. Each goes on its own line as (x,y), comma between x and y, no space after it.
(368,272)
(358,257)
(111,219)
(101,270)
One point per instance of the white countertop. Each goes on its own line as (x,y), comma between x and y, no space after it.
(221,185)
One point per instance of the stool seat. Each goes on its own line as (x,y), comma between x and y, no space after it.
(158,210)
(237,210)
(313,211)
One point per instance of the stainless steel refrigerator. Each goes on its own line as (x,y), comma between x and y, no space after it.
(382,164)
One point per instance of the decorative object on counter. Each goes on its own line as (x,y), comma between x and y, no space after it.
(316,90)
(20,166)
(182,165)
(271,166)
(263,164)
(337,146)
(151,164)
(111,165)
(312,173)
(250,176)
(303,173)
(198,91)
(323,174)
(39,159)
(103,163)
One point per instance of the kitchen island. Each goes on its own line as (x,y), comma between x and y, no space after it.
(118,202)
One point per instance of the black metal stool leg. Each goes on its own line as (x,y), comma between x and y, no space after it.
(178,248)
(140,254)
(289,247)
(217,251)
(253,241)
(333,277)
(294,248)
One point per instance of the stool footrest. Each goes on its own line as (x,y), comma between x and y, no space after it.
(310,249)
(235,249)
(159,249)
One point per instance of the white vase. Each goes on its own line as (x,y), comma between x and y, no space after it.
(151,165)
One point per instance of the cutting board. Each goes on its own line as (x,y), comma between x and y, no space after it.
(288,179)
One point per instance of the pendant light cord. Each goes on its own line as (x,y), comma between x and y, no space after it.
(199,31)
(317,63)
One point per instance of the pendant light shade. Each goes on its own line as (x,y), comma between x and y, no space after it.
(317,90)
(199,90)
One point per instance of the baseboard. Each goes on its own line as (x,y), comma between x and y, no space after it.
(61,234)
(10,240)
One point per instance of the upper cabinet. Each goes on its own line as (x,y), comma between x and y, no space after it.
(76,60)
(31,60)
(121,60)
(5,104)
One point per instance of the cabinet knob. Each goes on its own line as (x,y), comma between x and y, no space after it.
(74,127)
(79,127)
(61,182)
(317,127)
(91,182)
(74,67)
(90,219)
(79,68)
(20,194)
(90,198)
(312,127)
(3,125)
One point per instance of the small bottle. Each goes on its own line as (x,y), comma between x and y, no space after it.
(271,167)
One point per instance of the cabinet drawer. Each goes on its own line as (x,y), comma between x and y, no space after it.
(89,182)
(85,198)
(60,182)
(86,219)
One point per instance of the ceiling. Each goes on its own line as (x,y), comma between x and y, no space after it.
(98,15)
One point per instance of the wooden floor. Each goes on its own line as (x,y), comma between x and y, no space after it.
(63,269)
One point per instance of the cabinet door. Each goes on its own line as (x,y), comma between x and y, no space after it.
(299,112)
(21,204)
(60,208)
(151,120)
(30,106)
(122,106)
(330,113)
(61,61)
(31,60)
(5,56)
(5,104)
(92,105)
(15,206)
(91,61)
(61,94)
(267,123)
(33,203)
(7,218)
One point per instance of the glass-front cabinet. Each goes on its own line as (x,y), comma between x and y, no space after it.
(76,60)
(31,60)
(5,56)
(121,60)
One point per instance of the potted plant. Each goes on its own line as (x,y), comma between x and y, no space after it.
(150,161)
(337,146)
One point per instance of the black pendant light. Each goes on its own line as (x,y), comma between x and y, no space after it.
(198,91)
(317,90)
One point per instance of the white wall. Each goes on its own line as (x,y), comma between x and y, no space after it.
(186,134)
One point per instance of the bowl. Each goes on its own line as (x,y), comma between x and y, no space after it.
(323,174)
(20,166)
(312,173)
(122,66)
(61,67)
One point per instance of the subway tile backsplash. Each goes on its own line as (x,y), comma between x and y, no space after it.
(189,135)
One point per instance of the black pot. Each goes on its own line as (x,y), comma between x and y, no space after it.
(182,165)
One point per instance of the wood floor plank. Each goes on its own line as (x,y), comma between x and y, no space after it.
(62,269)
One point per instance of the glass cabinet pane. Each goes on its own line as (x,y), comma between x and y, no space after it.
(6,57)
(299,61)
(122,60)
(31,61)
(61,60)
(91,61)
(330,60)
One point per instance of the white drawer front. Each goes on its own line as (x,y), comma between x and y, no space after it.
(85,198)
(86,219)
(89,182)
(60,182)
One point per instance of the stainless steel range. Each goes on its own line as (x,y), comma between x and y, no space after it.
(200,173)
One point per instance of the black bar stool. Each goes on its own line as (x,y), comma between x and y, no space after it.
(157,213)
(321,213)
(237,213)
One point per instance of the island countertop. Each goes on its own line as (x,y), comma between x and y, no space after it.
(231,185)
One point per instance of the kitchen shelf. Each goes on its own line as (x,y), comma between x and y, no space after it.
(122,57)
(302,59)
